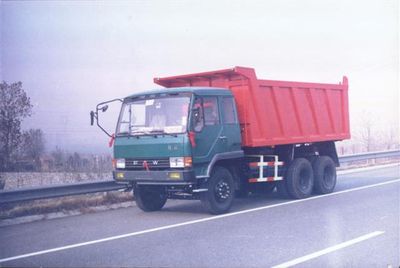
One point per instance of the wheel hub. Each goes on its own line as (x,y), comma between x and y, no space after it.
(223,190)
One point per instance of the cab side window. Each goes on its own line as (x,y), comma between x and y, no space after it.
(211,113)
(198,115)
(228,111)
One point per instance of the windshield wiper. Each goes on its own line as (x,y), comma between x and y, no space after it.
(125,133)
(155,132)
(135,133)
(162,131)
(138,132)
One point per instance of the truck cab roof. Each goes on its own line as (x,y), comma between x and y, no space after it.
(206,91)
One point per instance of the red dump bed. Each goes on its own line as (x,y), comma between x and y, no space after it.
(278,112)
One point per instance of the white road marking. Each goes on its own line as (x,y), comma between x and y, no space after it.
(328,250)
(111,238)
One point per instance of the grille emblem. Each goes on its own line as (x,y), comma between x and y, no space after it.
(146,165)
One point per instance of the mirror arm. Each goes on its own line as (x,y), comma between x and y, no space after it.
(96,114)
(105,131)
(98,108)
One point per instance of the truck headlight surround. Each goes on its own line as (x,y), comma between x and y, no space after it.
(176,162)
(180,162)
(120,163)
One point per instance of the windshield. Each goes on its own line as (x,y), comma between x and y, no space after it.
(154,115)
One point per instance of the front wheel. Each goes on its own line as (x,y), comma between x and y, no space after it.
(150,198)
(220,192)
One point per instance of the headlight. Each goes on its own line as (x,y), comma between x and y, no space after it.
(180,162)
(176,162)
(120,163)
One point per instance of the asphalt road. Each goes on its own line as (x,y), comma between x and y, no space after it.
(356,226)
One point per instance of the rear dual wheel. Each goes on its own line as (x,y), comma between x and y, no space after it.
(300,179)
(303,177)
(324,174)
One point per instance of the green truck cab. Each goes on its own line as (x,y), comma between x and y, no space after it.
(169,143)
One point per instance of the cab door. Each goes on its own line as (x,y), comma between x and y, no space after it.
(206,124)
(230,134)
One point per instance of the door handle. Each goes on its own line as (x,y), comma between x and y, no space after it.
(222,137)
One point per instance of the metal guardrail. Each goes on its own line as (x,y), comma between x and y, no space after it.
(368,156)
(9,196)
(27,194)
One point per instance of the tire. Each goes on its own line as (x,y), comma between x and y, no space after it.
(312,159)
(299,179)
(221,190)
(324,175)
(150,198)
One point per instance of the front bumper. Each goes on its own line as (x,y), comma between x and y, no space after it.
(157,177)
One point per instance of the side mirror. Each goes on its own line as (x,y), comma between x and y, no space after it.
(104,108)
(196,112)
(197,118)
(91,118)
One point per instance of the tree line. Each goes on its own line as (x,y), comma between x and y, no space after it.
(24,150)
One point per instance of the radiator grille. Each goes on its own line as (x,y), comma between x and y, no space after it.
(152,164)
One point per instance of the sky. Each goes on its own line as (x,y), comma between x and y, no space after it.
(71,55)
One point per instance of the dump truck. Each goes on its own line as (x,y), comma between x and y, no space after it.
(213,136)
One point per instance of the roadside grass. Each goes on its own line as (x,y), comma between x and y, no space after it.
(83,203)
